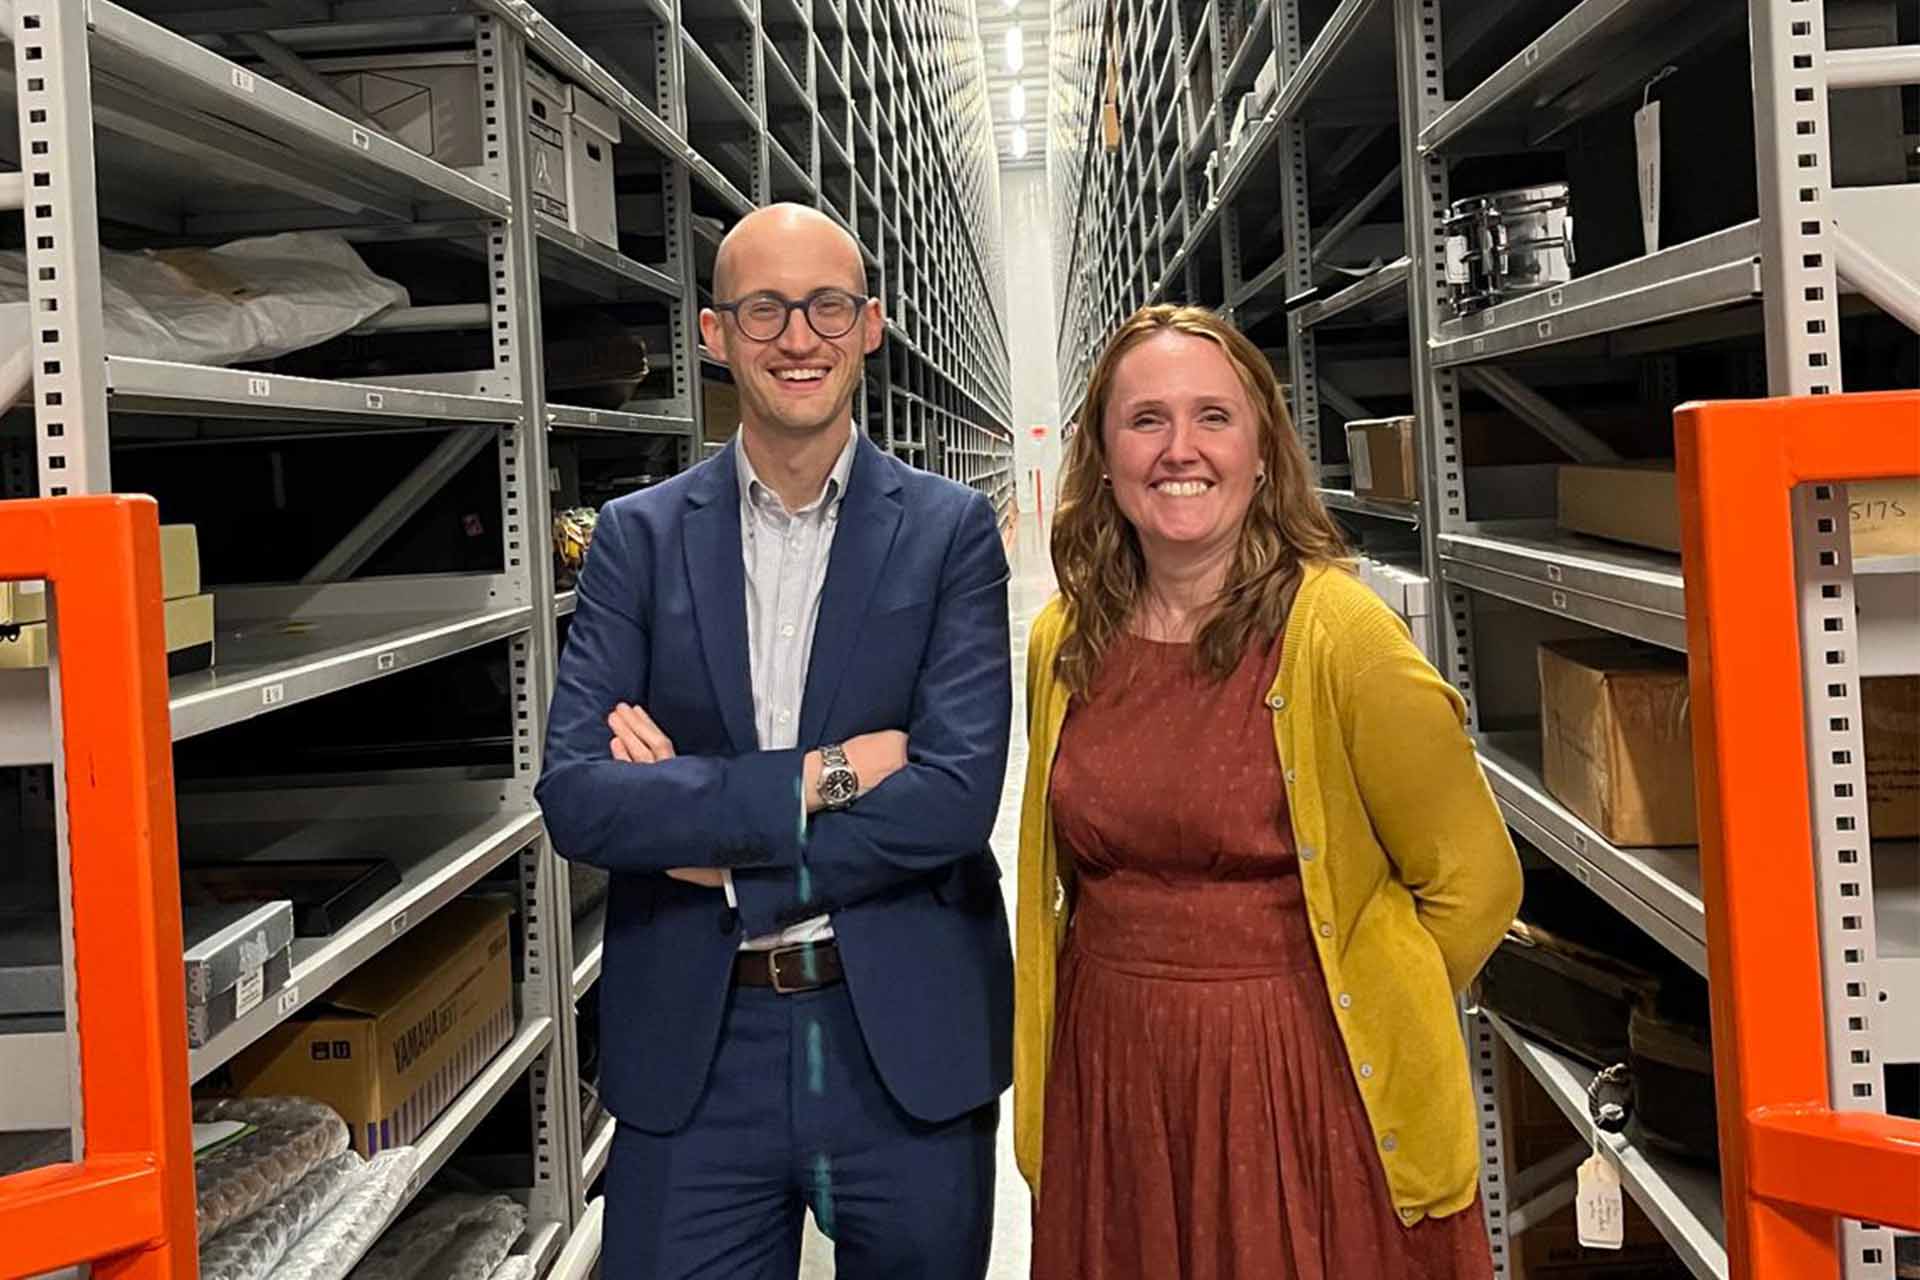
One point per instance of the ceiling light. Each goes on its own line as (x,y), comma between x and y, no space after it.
(1016,51)
(1019,142)
(1017,102)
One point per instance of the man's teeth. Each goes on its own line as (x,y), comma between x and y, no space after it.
(1183,488)
(800,375)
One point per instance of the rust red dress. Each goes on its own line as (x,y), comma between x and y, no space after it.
(1202,1122)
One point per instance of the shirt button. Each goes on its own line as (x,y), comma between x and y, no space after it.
(1366,1073)
(1346,1001)
(785,716)
(788,631)
(1277,702)
(1326,931)
(1389,1143)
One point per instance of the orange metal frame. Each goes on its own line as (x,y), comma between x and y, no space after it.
(128,1206)
(1790,1164)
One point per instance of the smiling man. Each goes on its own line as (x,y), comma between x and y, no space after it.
(781,723)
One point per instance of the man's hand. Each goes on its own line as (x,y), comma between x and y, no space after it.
(710,877)
(636,738)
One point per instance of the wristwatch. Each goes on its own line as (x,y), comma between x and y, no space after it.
(838,783)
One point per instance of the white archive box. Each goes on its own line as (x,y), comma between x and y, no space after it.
(1406,593)
(593,130)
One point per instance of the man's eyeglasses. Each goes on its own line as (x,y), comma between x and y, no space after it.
(763,316)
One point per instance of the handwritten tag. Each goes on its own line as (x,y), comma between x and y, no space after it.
(1602,1217)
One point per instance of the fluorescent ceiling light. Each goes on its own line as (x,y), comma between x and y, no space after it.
(1016,50)
(1017,102)
(1019,142)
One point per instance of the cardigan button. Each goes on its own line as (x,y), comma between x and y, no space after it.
(1308,854)
(1278,702)
(1346,1000)
(1290,777)
(1326,931)
(1408,1215)
(1389,1143)
(1366,1073)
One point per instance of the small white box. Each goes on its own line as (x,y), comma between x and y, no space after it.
(1406,593)
(547,141)
(1266,82)
(593,130)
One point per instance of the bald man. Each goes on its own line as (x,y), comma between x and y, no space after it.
(781,723)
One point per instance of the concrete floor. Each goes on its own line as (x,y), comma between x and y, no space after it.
(1031,588)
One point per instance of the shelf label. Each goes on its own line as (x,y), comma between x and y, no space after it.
(363,140)
(1601,1214)
(261,387)
(288,1002)
(400,924)
(242,80)
(1544,328)
(386,661)
(1560,601)
(1556,297)
(375,400)
(273,695)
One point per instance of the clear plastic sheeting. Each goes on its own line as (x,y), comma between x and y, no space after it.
(247,300)
(452,1236)
(251,1249)
(517,1267)
(283,1141)
(337,1241)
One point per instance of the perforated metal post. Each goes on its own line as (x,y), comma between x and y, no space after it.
(1301,353)
(1800,297)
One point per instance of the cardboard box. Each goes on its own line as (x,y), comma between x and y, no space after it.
(593,130)
(225,943)
(209,1018)
(1617,743)
(24,602)
(720,409)
(1527,491)
(1616,739)
(547,141)
(1634,503)
(1381,454)
(189,631)
(1638,503)
(397,1040)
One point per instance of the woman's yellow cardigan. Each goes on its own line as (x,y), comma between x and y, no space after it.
(1410,875)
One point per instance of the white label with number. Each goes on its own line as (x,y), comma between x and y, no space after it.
(1456,259)
(400,924)
(289,1001)
(1602,1217)
(259,387)
(250,991)
(386,661)
(273,695)
(242,80)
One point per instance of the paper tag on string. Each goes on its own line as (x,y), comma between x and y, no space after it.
(1602,1216)
(1646,141)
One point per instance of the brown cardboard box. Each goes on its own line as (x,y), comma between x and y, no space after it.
(1631,502)
(1381,452)
(1617,743)
(24,602)
(1616,740)
(189,632)
(397,1040)
(719,408)
(1638,503)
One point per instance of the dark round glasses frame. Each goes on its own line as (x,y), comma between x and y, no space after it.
(855,303)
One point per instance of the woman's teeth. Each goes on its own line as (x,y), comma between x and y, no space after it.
(1183,488)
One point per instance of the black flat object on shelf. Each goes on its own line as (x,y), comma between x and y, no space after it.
(326,896)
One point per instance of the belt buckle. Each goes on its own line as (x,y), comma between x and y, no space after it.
(778,954)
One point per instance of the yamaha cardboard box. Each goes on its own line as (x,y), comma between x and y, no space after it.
(25,602)
(189,638)
(395,1042)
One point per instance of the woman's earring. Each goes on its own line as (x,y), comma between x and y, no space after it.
(1259,479)
(1106,480)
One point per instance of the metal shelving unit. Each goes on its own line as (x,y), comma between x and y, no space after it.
(1308,205)
(168,123)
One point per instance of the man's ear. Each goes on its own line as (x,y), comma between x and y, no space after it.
(876,325)
(712,332)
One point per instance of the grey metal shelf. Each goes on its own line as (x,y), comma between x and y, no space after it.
(1720,270)
(137,385)
(1349,501)
(1620,589)
(1657,889)
(599,1149)
(562,417)
(1683,1201)
(592,267)
(454,852)
(589,949)
(1372,299)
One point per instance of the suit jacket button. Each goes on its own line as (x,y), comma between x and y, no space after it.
(729,919)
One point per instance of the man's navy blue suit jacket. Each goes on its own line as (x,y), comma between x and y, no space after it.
(912,635)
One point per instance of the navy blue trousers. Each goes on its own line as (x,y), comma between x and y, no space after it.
(795,1117)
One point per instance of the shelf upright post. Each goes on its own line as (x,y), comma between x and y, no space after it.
(676,198)
(1422,95)
(1801,306)
(513,275)
(1301,354)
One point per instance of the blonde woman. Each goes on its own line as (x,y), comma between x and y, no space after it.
(1258,860)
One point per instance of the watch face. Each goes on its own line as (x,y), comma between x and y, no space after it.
(838,786)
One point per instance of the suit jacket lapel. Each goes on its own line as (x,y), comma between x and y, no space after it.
(869,518)
(718,578)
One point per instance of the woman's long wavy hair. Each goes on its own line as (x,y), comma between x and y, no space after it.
(1096,550)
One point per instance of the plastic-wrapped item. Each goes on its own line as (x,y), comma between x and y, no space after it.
(517,1267)
(285,1139)
(340,1239)
(451,1236)
(251,1249)
(247,300)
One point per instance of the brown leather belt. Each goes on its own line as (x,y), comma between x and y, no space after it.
(788,970)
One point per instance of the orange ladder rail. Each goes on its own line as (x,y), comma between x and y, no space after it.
(127,1206)
(1791,1165)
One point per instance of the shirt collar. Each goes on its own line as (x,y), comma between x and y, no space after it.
(754,491)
